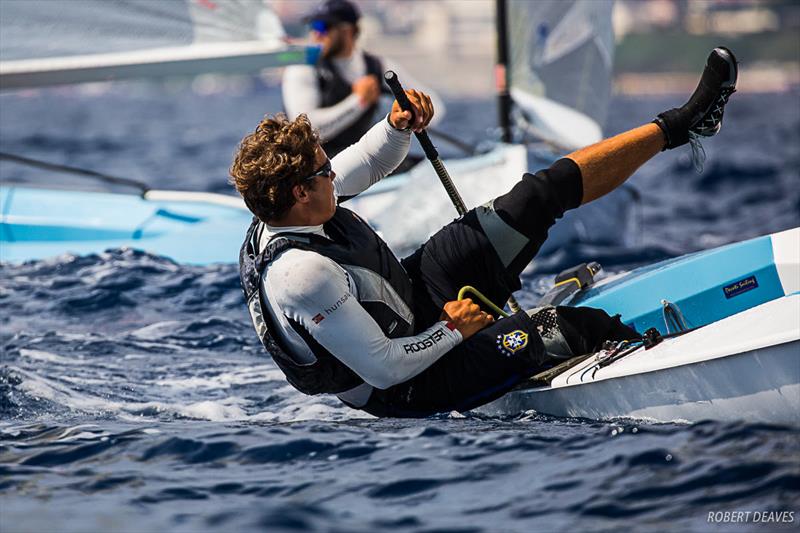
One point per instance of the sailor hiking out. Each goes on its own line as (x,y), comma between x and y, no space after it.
(340,314)
(341,92)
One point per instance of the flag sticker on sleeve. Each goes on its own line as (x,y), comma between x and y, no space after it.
(318,318)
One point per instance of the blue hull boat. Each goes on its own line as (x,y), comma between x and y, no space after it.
(729,348)
(204,228)
(193,228)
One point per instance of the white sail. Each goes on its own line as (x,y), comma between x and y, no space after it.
(49,42)
(561,57)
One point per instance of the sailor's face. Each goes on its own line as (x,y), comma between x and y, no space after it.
(322,201)
(332,38)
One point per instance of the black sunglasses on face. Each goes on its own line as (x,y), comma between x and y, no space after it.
(320,26)
(325,170)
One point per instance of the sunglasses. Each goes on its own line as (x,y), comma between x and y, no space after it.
(320,26)
(325,170)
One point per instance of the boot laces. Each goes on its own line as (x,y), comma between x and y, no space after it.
(709,125)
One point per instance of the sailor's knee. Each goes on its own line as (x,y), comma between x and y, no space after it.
(507,241)
(535,202)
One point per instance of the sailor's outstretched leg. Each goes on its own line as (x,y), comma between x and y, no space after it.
(606,165)
(538,200)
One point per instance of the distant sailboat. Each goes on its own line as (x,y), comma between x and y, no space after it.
(560,69)
(48,42)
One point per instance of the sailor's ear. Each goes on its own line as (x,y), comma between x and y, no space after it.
(300,193)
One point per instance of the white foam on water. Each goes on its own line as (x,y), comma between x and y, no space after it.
(213,411)
(156,330)
(241,376)
(298,407)
(86,435)
(40,355)
(295,406)
(69,431)
(40,387)
(183,392)
(44,388)
(85,381)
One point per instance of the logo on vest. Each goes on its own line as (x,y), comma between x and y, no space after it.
(511,343)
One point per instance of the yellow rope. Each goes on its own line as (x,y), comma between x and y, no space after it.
(469,288)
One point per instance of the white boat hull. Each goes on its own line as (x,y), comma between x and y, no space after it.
(745,367)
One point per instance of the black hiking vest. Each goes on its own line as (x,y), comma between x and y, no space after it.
(364,255)
(333,89)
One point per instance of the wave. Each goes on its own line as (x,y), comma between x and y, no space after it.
(432,474)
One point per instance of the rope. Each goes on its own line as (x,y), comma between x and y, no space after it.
(36,163)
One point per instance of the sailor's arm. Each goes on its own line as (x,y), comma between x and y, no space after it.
(301,95)
(382,148)
(368,161)
(315,293)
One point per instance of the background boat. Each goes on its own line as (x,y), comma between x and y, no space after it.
(36,223)
(191,37)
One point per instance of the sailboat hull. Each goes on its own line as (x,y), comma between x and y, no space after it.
(205,228)
(739,361)
(41,223)
(678,381)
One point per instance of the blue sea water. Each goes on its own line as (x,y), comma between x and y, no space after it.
(134,395)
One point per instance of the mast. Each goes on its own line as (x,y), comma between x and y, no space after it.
(501,71)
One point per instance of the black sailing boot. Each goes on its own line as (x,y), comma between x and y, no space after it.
(702,114)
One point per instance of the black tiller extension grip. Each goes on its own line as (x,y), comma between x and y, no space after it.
(400,95)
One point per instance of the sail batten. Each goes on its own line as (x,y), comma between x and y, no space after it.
(48,42)
(162,62)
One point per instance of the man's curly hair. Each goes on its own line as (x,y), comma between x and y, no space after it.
(271,161)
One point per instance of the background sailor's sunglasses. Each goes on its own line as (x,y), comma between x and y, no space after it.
(325,170)
(320,26)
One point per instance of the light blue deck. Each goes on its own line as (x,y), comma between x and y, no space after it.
(41,223)
(695,282)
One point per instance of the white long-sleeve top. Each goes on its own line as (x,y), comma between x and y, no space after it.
(320,296)
(301,95)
